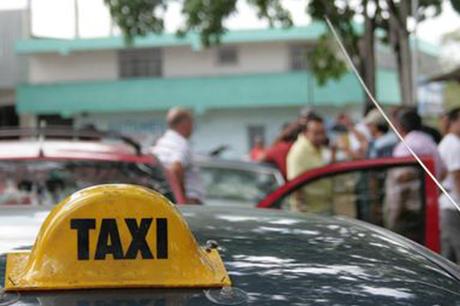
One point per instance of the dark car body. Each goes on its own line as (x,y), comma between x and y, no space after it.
(273,258)
(358,174)
(236,182)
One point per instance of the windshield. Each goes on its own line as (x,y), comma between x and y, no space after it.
(41,182)
(242,185)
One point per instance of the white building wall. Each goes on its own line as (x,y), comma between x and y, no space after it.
(12,68)
(252,58)
(78,66)
(212,128)
(145,127)
(230,127)
(177,62)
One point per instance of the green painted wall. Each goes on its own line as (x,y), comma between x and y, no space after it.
(241,91)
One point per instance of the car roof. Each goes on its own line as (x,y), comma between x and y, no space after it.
(209,161)
(279,258)
(237,163)
(70,149)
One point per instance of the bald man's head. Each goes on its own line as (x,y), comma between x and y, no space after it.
(180,120)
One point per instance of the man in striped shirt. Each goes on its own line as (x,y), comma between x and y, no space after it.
(174,151)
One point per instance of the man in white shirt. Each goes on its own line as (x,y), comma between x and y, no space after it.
(175,153)
(449,148)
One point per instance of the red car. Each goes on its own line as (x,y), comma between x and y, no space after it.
(391,192)
(42,166)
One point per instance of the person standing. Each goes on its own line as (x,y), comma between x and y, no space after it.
(449,148)
(403,204)
(382,140)
(352,140)
(307,153)
(258,150)
(174,151)
(277,153)
(409,125)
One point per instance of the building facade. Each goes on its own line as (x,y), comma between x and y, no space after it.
(12,69)
(250,85)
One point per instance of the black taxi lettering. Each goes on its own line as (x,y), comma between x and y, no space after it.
(139,244)
(109,242)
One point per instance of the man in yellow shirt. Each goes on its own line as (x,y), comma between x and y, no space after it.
(305,154)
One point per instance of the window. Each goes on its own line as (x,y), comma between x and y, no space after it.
(239,185)
(8,116)
(255,133)
(393,198)
(47,182)
(298,57)
(55,120)
(140,63)
(227,56)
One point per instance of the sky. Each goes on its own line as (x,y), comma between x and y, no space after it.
(56,18)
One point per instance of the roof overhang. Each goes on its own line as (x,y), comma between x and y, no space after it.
(66,46)
(310,32)
(453,75)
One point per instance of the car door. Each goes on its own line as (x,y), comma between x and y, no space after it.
(394,193)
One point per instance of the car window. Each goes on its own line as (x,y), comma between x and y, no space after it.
(48,182)
(392,198)
(237,184)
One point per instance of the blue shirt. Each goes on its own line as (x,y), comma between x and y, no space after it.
(383,146)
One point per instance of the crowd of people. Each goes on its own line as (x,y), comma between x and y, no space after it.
(306,143)
(345,140)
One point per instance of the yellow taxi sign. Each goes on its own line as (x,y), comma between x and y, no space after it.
(111,236)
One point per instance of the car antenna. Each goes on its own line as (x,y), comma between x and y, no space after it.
(377,105)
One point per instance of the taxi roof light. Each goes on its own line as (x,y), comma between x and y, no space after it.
(111,236)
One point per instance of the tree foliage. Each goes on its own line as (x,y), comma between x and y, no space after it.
(140,17)
(324,63)
(455,5)
(206,17)
(137,17)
